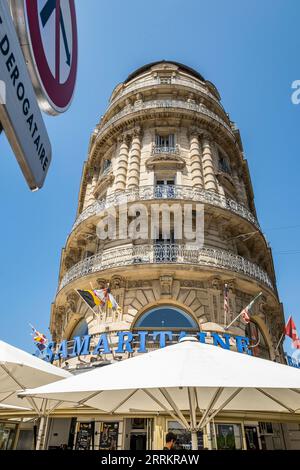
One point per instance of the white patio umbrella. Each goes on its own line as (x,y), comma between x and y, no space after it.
(190,381)
(20,370)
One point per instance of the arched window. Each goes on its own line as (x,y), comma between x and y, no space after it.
(80,329)
(258,343)
(166,317)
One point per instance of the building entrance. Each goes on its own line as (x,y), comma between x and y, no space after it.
(251,438)
(138,434)
(138,441)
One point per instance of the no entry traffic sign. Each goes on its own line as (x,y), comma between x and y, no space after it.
(48,34)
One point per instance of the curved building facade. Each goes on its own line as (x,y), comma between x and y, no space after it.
(166,142)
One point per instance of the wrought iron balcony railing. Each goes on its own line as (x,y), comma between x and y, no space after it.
(163,104)
(176,192)
(166,253)
(157,150)
(190,84)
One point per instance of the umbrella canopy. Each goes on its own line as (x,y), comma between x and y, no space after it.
(20,370)
(188,377)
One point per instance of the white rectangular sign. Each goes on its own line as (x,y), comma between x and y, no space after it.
(20,115)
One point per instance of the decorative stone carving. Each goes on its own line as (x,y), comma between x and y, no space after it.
(166,282)
(72,301)
(117,282)
(101,283)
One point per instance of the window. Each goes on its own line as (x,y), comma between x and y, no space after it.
(165,141)
(223,164)
(258,344)
(227,436)
(81,329)
(106,165)
(88,254)
(166,317)
(184,440)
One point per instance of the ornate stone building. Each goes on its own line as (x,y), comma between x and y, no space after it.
(166,138)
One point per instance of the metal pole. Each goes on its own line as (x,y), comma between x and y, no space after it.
(281,337)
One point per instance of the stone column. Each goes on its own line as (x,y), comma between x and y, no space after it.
(133,174)
(196,166)
(210,182)
(122,162)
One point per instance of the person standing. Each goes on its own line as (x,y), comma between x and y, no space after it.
(170,441)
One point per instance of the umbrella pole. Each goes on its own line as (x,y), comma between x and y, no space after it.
(194,440)
(39,441)
(40,433)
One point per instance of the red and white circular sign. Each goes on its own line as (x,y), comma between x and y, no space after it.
(51,29)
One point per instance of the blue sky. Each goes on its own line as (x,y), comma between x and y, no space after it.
(248,49)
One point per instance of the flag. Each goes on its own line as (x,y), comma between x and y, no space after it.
(245,313)
(39,339)
(291,330)
(226,300)
(102,298)
(90,297)
(107,299)
(296,343)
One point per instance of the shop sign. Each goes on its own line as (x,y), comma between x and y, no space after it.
(81,346)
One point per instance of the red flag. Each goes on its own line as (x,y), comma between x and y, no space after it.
(245,313)
(290,329)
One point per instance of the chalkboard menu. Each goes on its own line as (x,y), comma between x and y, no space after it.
(84,436)
(109,436)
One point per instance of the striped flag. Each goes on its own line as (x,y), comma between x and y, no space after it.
(245,313)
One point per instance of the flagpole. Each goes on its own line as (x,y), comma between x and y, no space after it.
(236,318)
(225,309)
(281,337)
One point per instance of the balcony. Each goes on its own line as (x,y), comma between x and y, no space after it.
(191,85)
(172,192)
(156,106)
(166,253)
(158,150)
